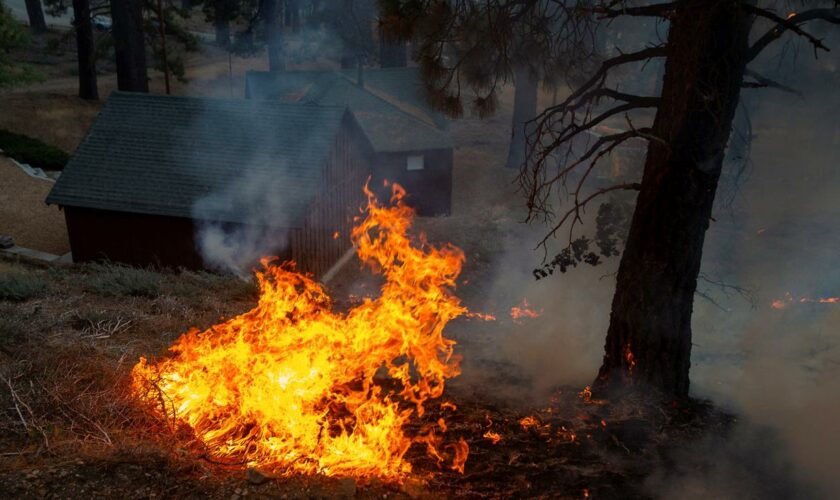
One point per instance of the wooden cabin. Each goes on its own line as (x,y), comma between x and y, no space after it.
(411,141)
(154,170)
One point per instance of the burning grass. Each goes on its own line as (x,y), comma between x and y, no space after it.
(292,386)
(70,424)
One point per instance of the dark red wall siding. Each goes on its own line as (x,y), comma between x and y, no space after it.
(429,190)
(138,239)
(154,240)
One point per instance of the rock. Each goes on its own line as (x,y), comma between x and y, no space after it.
(255,477)
(6,241)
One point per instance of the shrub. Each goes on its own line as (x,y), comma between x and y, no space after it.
(32,151)
(17,286)
(120,281)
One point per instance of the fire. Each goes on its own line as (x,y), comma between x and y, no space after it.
(523,310)
(295,387)
(789,299)
(586,394)
(529,421)
(630,358)
(494,437)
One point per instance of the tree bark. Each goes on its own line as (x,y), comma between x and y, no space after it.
(129,45)
(221,22)
(273,35)
(291,15)
(86,50)
(35,13)
(524,109)
(392,53)
(649,337)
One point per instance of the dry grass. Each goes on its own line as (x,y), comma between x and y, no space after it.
(66,351)
(18,286)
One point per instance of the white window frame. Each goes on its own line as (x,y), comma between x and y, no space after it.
(415,162)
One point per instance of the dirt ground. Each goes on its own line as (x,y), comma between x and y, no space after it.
(25,216)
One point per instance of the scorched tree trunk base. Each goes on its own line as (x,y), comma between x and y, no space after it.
(649,337)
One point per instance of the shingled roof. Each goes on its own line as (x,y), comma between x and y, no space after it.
(162,155)
(388,107)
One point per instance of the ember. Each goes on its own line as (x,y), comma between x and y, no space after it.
(289,386)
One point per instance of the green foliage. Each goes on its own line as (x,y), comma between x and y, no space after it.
(16,286)
(12,36)
(32,151)
(178,40)
(114,280)
(467,50)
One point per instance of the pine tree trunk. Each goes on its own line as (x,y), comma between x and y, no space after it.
(649,337)
(129,45)
(86,50)
(221,23)
(35,13)
(524,109)
(273,36)
(392,53)
(348,58)
(291,15)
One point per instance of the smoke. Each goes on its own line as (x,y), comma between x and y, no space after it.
(775,236)
(237,247)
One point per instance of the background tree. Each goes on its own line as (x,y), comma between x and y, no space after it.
(351,22)
(12,36)
(88,45)
(167,38)
(35,13)
(706,55)
(269,11)
(129,45)
(221,13)
(86,50)
(477,47)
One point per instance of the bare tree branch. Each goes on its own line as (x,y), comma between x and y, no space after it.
(764,82)
(791,23)
(600,76)
(663,10)
(580,205)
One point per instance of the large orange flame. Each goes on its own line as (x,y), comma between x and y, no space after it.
(293,386)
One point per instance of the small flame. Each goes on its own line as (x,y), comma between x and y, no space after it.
(289,386)
(630,358)
(523,310)
(789,299)
(494,437)
(336,235)
(528,422)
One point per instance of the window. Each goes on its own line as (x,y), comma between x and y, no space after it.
(414,163)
